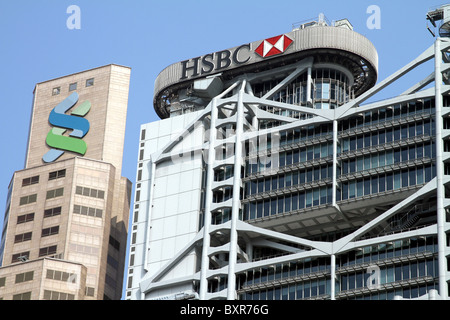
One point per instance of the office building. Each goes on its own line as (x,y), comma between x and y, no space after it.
(271,174)
(66,219)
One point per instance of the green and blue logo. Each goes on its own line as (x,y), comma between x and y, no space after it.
(62,122)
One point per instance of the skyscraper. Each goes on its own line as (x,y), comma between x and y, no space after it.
(271,176)
(66,219)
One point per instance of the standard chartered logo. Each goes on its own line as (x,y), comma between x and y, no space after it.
(62,122)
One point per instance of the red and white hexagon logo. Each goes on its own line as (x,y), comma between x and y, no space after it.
(273,46)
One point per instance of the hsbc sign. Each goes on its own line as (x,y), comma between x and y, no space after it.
(214,62)
(273,46)
(235,57)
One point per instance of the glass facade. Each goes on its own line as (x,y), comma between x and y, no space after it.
(390,149)
(406,267)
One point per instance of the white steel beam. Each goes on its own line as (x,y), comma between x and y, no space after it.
(231,291)
(443,291)
(209,197)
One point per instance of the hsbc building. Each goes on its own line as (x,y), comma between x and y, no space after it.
(271,176)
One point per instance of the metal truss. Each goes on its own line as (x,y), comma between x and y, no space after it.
(235,106)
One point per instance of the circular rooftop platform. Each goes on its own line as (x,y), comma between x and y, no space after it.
(327,44)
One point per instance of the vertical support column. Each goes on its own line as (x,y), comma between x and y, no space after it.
(335,140)
(440,170)
(231,288)
(249,250)
(207,215)
(333,277)
(308,87)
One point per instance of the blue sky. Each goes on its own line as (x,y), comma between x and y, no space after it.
(36,45)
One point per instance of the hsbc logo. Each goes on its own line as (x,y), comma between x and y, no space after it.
(232,58)
(273,46)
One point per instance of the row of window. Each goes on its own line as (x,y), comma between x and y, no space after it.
(349,189)
(24,256)
(291,202)
(387,250)
(73,86)
(61,276)
(410,292)
(51,176)
(30,216)
(423,108)
(33,197)
(296,177)
(283,271)
(388,274)
(386,158)
(28,199)
(389,113)
(372,254)
(375,138)
(87,211)
(305,290)
(52,275)
(324,150)
(20,277)
(100,194)
(421,127)
(295,291)
(386,182)
(48,295)
(56,295)
(89,192)
(301,134)
(287,158)
(54,193)
(326,84)
(51,212)
(366,162)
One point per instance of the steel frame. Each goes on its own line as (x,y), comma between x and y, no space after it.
(243,104)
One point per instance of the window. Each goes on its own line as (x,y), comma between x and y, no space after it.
(2,282)
(25,218)
(26,276)
(30,181)
(50,231)
(54,193)
(47,251)
(28,199)
(114,243)
(87,211)
(90,291)
(57,174)
(55,295)
(56,91)
(90,82)
(90,192)
(52,212)
(72,86)
(22,237)
(23,256)
(61,276)
(22,296)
